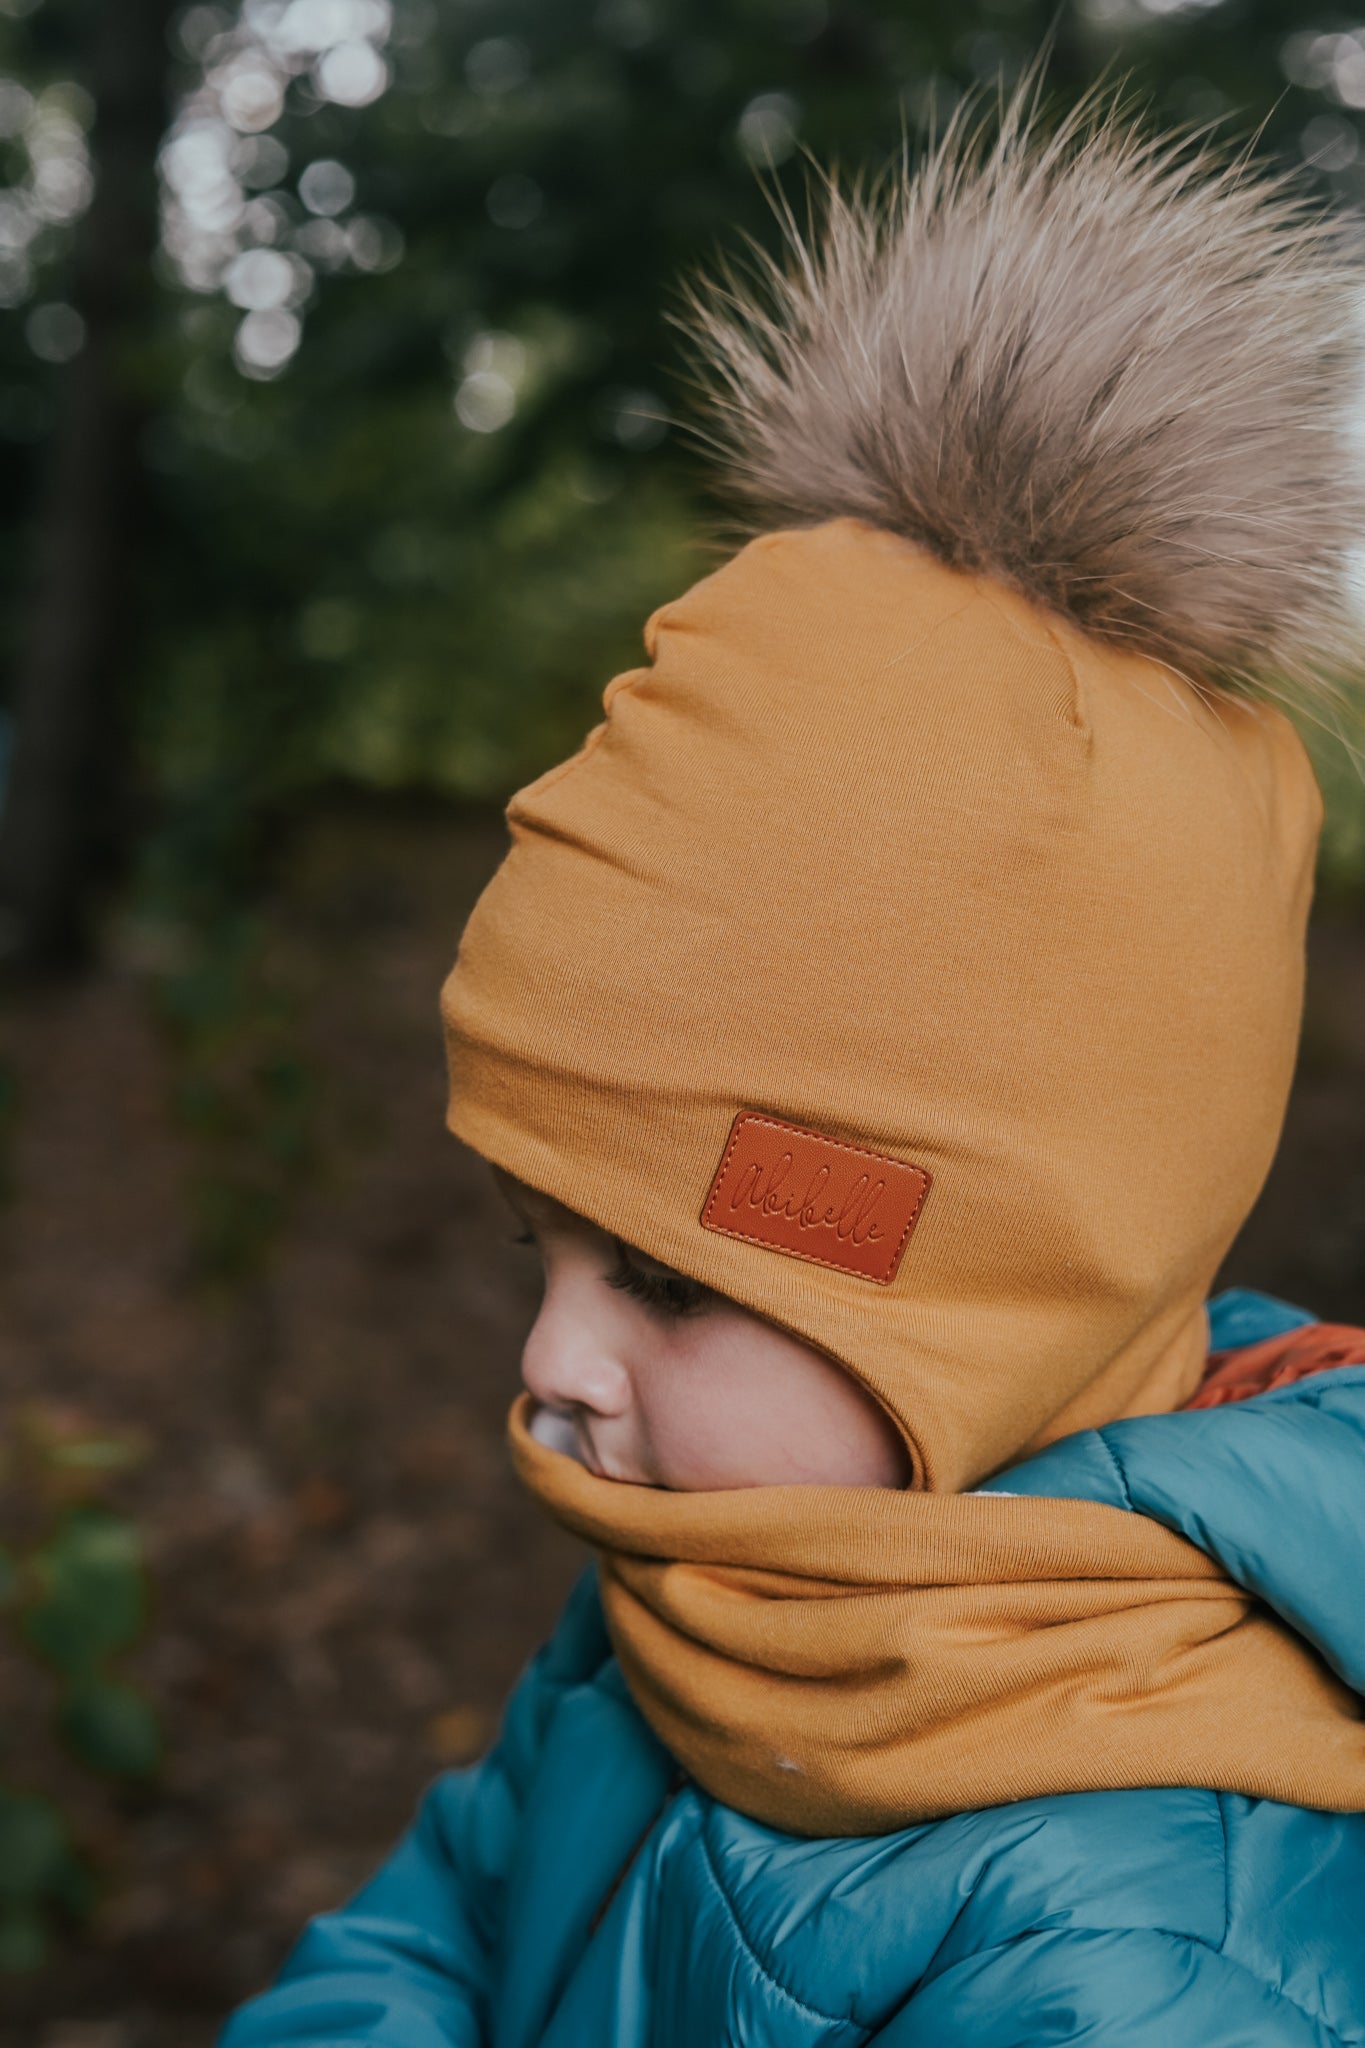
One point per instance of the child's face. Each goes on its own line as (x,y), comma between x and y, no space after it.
(656,1379)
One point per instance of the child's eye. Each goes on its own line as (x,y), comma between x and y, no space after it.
(671,1294)
(523,1237)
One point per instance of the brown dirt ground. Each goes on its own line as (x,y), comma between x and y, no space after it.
(347,1578)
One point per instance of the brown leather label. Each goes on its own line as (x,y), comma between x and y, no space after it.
(815,1198)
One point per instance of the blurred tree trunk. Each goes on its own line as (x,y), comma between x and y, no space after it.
(59,824)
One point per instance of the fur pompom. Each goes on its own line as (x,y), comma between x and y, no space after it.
(1120,374)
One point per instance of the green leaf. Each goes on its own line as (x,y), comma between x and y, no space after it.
(111,1728)
(25,1943)
(92,1593)
(35,1850)
(75,1893)
(95,1454)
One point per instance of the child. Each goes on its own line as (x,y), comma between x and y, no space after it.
(883,1025)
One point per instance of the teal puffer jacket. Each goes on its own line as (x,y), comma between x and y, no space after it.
(572,1891)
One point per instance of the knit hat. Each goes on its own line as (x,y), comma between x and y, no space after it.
(914,954)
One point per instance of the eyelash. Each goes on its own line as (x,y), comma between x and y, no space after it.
(669,1294)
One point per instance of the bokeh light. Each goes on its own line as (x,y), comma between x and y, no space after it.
(220,150)
(768,128)
(55,331)
(326,187)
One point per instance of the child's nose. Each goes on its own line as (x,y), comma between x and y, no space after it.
(567,1362)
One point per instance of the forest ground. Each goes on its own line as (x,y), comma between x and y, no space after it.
(346,1576)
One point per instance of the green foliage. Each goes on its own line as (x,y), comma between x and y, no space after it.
(112,1729)
(413,556)
(242,1090)
(85,1595)
(1338,753)
(73,1588)
(413,505)
(41,1878)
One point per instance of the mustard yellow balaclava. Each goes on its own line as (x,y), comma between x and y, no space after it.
(914,954)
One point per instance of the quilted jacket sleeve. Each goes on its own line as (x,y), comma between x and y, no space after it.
(406,1963)
(1114,1988)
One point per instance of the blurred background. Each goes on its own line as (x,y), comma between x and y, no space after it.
(343,450)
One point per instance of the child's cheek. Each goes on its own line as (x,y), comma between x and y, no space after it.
(688,1412)
(719,1410)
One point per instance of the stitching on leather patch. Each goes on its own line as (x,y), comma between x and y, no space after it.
(815,1198)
